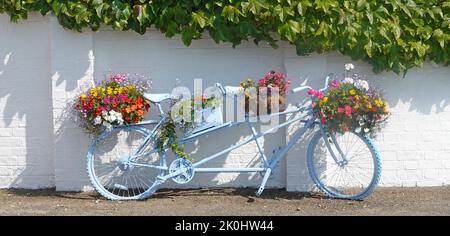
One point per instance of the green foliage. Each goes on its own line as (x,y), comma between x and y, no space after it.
(389,34)
(168,139)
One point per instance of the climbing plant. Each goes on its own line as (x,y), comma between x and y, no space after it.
(389,34)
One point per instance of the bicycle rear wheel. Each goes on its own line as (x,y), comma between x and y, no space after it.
(353,176)
(115,170)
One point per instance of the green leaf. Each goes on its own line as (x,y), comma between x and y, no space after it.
(438,34)
(197,2)
(199,19)
(187,35)
(290,30)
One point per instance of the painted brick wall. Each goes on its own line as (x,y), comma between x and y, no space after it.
(26,140)
(42,66)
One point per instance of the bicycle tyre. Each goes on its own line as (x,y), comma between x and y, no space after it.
(335,192)
(113,188)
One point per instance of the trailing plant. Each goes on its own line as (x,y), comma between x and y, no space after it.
(168,139)
(186,114)
(389,34)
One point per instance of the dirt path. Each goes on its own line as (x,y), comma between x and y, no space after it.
(385,201)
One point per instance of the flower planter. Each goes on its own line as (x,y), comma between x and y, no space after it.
(207,118)
(268,103)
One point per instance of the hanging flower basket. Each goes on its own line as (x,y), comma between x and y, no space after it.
(116,101)
(350,105)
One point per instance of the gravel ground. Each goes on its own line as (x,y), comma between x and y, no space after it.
(384,201)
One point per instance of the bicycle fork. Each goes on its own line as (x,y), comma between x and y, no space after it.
(330,142)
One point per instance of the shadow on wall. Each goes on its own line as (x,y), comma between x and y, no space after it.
(25,120)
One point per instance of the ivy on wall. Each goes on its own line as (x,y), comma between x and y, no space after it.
(389,34)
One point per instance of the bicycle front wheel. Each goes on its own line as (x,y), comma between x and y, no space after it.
(116,169)
(353,175)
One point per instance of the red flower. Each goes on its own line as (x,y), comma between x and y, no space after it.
(324,120)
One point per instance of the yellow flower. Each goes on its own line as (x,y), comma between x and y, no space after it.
(386,107)
(325,99)
(352,92)
(242,84)
(378,102)
(246,94)
(249,80)
(109,90)
(357,97)
(83,96)
(369,106)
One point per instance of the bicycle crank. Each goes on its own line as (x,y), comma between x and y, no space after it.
(185,168)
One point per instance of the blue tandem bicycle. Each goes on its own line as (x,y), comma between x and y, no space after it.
(124,163)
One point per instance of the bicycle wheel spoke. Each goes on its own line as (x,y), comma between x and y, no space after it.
(111,170)
(350,179)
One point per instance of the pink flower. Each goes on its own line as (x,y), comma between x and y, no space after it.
(348,110)
(315,93)
(334,84)
(323,120)
(118,78)
(106,100)
(340,109)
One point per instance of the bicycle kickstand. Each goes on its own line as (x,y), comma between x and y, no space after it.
(263,183)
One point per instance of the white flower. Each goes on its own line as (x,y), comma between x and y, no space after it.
(362,84)
(358,130)
(97,120)
(366,130)
(349,66)
(112,118)
(348,80)
(120,121)
(107,125)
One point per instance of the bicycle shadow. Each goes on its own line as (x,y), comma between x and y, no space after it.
(248,193)
(52,193)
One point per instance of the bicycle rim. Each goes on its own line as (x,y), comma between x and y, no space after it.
(111,170)
(354,179)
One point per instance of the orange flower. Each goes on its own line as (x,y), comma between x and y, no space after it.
(140,112)
(127,110)
(133,108)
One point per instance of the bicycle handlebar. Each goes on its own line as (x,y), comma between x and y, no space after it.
(327,79)
(298,89)
(222,89)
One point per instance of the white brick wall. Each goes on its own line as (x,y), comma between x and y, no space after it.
(26,141)
(40,148)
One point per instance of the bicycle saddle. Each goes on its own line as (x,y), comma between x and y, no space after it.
(157,97)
